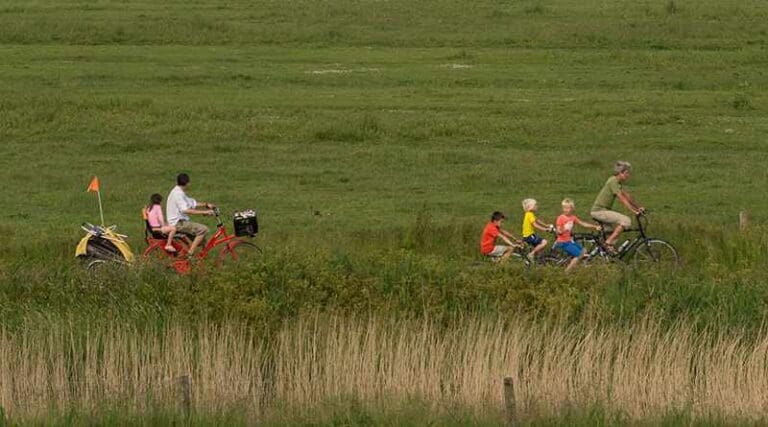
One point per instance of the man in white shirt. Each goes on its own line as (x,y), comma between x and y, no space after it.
(178,208)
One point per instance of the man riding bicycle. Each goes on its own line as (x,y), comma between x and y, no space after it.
(180,206)
(613,189)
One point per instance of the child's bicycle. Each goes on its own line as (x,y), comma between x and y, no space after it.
(637,250)
(225,248)
(549,256)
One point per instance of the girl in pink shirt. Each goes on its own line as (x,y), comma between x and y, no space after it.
(157,221)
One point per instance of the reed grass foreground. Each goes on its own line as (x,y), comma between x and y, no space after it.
(642,372)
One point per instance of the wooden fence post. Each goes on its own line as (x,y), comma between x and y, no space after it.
(510,409)
(185,384)
(743,220)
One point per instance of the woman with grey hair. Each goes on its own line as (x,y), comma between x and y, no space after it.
(602,209)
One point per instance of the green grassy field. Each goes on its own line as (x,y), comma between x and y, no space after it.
(371,112)
(403,124)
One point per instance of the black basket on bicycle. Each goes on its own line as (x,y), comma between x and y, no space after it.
(246,223)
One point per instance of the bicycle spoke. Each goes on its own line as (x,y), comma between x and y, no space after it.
(656,252)
(238,252)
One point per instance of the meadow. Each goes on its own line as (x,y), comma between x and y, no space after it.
(374,138)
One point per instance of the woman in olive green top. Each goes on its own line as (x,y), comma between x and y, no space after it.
(613,188)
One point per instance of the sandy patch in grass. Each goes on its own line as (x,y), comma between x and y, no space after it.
(457,66)
(344,71)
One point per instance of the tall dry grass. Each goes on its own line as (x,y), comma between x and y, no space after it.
(643,371)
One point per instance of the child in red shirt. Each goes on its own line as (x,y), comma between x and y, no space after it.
(491,232)
(565,241)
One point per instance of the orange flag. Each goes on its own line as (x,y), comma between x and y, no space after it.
(94,185)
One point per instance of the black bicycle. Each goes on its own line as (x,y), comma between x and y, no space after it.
(640,249)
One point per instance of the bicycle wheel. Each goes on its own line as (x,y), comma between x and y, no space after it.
(596,254)
(657,252)
(590,244)
(556,260)
(158,255)
(238,252)
(521,255)
(96,265)
(103,269)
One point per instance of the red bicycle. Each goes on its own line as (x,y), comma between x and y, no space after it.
(226,248)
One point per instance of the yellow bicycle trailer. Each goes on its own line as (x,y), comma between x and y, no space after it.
(103,244)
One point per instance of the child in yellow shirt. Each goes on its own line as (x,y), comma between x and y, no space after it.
(530,225)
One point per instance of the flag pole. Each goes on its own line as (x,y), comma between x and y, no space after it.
(101,210)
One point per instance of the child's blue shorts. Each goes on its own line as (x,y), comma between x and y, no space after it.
(533,240)
(571,248)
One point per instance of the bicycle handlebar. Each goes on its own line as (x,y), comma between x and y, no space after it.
(217,214)
(642,221)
